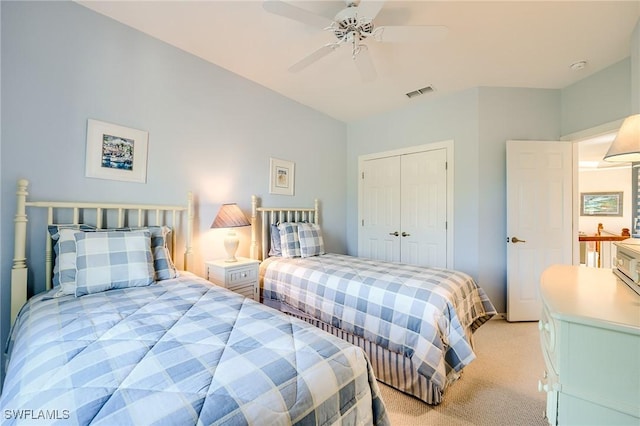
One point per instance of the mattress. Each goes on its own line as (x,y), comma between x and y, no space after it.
(181,351)
(426,314)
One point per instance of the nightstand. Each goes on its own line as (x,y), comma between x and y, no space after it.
(240,277)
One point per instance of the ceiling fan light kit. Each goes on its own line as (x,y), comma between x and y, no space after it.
(353,25)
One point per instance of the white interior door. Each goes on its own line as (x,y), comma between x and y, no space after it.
(380,226)
(539,219)
(424,208)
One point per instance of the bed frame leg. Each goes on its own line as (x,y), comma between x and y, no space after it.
(19,268)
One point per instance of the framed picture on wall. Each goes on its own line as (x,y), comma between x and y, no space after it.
(116,152)
(282,177)
(601,203)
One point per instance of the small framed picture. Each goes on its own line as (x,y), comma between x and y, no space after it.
(116,152)
(282,177)
(601,203)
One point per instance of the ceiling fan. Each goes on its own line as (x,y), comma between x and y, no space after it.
(352,26)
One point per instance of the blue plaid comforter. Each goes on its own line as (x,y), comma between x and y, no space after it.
(180,352)
(427,314)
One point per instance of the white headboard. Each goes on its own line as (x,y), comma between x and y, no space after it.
(263,217)
(103,215)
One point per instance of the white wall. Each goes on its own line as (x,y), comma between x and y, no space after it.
(605,180)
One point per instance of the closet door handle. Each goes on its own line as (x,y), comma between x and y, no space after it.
(395,234)
(404,234)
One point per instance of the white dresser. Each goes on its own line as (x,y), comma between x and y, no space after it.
(590,336)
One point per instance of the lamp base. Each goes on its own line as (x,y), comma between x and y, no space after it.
(231,243)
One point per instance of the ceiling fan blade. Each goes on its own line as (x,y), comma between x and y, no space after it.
(313,57)
(287,10)
(409,34)
(365,64)
(370,8)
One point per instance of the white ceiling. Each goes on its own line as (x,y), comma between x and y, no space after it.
(591,153)
(500,44)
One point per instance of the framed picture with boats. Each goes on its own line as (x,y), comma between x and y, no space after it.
(116,152)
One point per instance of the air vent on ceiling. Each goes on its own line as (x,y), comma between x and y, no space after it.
(419,92)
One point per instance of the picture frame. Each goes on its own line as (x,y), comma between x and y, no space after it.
(116,152)
(281,177)
(601,203)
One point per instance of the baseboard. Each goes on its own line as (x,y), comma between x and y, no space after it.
(499,316)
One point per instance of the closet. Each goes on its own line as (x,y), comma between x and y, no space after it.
(404,211)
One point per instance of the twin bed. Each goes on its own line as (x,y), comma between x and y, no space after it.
(126,337)
(414,323)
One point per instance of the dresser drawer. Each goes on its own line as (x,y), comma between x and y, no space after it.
(241,275)
(549,340)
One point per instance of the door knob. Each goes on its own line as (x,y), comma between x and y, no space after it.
(517,240)
(404,234)
(395,234)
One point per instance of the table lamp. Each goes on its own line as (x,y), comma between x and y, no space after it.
(230,216)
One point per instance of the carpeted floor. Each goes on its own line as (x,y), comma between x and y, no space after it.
(499,388)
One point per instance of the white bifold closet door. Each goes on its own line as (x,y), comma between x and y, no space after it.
(405,208)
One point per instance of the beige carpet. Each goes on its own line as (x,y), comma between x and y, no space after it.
(499,388)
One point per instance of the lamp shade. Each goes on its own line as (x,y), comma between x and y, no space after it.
(626,145)
(230,216)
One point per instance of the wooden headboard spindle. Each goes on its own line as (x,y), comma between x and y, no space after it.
(262,218)
(19,268)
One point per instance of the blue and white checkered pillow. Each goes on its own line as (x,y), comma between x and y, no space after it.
(110,260)
(64,269)
(311,242)
(289,241)
(62,247)
(275,249)
(162,263)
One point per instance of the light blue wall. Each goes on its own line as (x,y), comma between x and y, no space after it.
(421,122)
(210,131)
(479,121)
(505,113)
(598,99)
